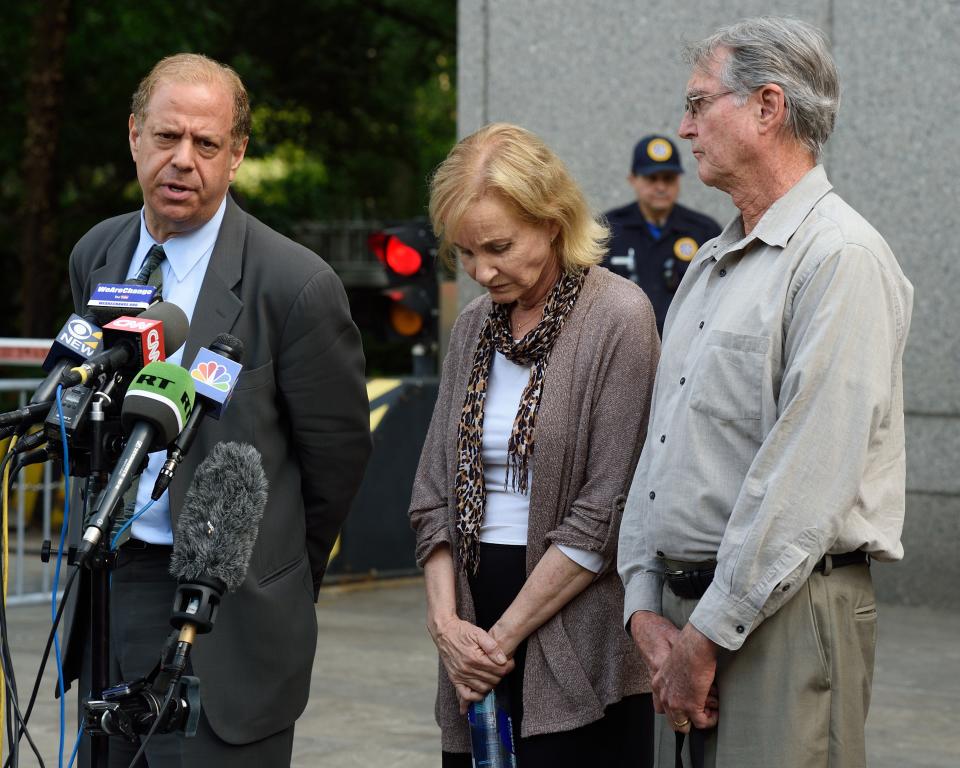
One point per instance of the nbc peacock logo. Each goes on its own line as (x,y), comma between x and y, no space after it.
(213,374)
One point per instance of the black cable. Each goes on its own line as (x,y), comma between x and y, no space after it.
(156,723)
(6,661)
(25,732)
(10,681)
(46,656)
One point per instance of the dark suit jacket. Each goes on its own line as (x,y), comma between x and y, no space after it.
(301,400)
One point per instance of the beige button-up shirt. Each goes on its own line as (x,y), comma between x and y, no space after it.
(776,432)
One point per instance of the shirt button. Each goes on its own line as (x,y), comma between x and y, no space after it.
(723,273)
(663,438)
(652,495)
(740,629)
(683,380)
(701,323)
(786,588)
(660,553)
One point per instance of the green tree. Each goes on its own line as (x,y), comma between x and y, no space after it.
(354,104)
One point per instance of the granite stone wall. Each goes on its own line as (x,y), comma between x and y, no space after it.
(592,76)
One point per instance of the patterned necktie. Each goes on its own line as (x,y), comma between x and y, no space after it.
(150,273)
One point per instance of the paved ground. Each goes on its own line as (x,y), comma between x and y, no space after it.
(373,682)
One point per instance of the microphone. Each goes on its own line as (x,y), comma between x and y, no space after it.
(214,539)
(78,341)
(133,341)
(155,408)
(111,300)
(26,415)
(215,372)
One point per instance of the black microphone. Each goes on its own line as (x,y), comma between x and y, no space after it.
(27,415)
(209,400)
(134,341)
(78,341)
(155,408)
(214,540)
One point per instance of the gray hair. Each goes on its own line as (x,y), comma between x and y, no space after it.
(787,52)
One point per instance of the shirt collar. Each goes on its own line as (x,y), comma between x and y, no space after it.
(780,220)
(185,251)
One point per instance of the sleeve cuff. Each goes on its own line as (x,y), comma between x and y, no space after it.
(644,592)
(429,541)
(592,561)
(728,620)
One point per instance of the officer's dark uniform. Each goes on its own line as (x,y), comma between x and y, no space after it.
(656,264)
(655,258)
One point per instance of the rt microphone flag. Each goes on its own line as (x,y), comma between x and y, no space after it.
(156,406)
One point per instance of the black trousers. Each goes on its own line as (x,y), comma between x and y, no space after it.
(622,737)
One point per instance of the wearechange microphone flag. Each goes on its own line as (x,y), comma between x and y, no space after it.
(157,404)
(110,300)
(221,515)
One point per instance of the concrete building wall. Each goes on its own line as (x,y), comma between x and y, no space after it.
(592,76)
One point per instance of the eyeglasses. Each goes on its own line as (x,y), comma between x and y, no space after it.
(691,104)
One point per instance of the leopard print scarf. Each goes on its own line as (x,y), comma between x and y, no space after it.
(533,348)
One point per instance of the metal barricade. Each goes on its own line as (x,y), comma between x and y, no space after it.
(31,579)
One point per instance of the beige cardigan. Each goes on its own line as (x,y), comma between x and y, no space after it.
(590,427)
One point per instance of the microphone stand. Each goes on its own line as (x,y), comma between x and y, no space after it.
(101,562)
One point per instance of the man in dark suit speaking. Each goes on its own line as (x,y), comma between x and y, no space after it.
(301,400)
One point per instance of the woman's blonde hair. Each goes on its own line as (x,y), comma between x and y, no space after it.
(515,165)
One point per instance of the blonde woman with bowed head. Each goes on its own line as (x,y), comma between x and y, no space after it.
(536,432)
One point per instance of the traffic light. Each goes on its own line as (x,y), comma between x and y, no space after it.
(409,254)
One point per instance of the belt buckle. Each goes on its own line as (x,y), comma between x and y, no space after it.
(135,545)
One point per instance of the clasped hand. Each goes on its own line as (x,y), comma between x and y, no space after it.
(474,661)
(683,665)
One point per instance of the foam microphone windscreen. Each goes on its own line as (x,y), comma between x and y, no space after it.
(221,515)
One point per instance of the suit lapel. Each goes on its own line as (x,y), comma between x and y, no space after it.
(216,310)
(218,306)
(117,259)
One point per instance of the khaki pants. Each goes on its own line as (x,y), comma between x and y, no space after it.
(797,692)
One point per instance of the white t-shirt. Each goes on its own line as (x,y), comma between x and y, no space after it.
(507,511)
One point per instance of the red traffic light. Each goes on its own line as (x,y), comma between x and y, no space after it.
(396,254)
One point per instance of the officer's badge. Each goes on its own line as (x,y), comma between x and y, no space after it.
(685,248)
(659,150)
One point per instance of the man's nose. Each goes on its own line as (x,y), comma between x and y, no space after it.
(183,155)
(687,126)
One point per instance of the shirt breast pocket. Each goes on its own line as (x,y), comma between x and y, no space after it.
(729,376)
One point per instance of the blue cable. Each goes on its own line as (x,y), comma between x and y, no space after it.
(76,748)
(56,573)
(113,544)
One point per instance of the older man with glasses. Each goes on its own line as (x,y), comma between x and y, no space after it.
(773,470)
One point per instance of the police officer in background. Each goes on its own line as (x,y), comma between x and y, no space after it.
(655,238)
